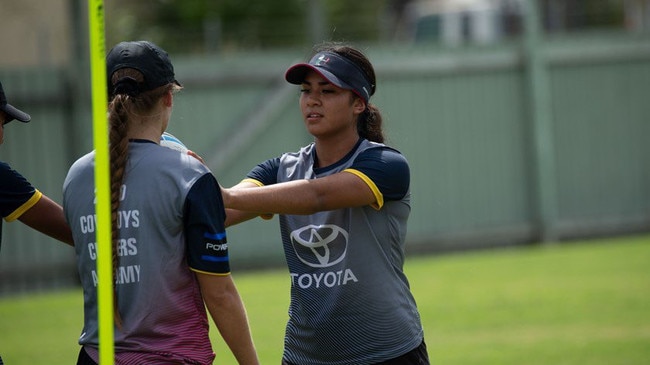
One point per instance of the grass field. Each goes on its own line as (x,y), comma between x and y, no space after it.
(570,303)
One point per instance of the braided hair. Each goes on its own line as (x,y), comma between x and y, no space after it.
(125,102)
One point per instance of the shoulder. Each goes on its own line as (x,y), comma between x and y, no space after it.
(87,159)
(381,156)
(178,168)
(12,180)
(83,164)
(266,172)
(4,166)
(7,172)
(192,163)
(386,167)
(165,158)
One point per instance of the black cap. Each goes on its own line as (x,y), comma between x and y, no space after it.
(10,110)
(152,61)
(336,69)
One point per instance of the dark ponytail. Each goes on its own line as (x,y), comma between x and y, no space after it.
(369,124)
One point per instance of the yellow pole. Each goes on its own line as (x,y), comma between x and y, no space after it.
(102,182)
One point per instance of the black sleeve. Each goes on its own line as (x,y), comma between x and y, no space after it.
(387,168)
(205,232)
(15,190)
(266,172)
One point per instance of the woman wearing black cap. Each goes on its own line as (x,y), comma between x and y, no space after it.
(18,198)
(344,202)
(170,253)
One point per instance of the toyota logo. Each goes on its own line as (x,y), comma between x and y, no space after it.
(320,246)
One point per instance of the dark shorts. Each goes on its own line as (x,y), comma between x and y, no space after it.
(417,356)
(84,358)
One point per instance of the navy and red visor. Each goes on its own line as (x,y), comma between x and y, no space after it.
(336,69)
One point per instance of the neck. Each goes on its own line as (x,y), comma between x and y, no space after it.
(331,151)
(149,127)
(149,130)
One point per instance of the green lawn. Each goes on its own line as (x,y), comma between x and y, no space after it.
(570,303)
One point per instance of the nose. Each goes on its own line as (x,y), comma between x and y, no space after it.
(312,99)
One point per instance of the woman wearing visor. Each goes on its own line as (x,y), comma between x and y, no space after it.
(343,203)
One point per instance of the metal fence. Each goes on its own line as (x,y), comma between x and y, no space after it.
(464,118)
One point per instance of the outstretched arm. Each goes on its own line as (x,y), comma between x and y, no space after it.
(336,191)
(234,216)
(46,216)
(229,314)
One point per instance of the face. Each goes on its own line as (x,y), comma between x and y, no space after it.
(328,110)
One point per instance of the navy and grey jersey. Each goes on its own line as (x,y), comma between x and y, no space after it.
(171,220)
(17,195)
(350,299)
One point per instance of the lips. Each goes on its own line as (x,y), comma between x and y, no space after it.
(313,116)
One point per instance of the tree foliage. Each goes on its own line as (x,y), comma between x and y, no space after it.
(205,25)
(213,26)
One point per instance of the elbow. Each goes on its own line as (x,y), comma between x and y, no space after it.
(219,291)
(313,204)
(223,299)
(320,204)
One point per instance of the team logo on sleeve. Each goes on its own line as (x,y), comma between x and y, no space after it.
(216,247)
(320,245)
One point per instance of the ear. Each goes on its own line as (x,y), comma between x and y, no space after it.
(358,105)
(168,99)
